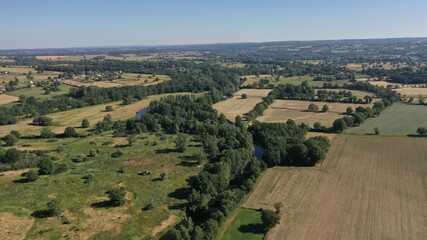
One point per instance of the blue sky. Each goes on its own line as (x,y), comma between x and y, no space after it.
(76,23)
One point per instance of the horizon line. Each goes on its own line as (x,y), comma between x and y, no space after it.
(206,44)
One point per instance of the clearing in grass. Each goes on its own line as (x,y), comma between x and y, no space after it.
(364,188)
(239,106)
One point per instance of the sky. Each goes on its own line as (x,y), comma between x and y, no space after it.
(86,23)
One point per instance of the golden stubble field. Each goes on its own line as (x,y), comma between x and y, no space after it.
(367,188)
(282,110)
(5,99)
(238,106)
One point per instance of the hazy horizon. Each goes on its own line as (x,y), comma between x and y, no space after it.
(74,24)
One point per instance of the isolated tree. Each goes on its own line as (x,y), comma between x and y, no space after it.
(376,130)
(117,196)
(53,208)
(422,131)
(325,108)
(278,206)
(199,157)
(42,121)
(10,139)
(16,133)
(339,125)
(131,140)
(269,219)
(181,143)
(70,132)
(46,167)
(421,100)
(163,176)
(244,96)
(85,123)
(313,107)
(46,133)
(109,108)
(31,175)
(317,126)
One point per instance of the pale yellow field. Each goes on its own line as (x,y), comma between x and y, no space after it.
(412,92)
(94,114)
(5,99)
(238,106)
(367,188)
(282,110)
(20,72)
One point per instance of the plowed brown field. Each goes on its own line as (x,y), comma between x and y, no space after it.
(367,188)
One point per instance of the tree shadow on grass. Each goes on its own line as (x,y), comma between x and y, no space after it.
(255,228)
(21,180)
(180,193)
(41,214)
(416,135)
(103,204)
(166,150)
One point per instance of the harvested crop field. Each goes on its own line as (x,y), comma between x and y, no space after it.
(399,119)
(6,99)
(412,91)
(238,106)
(282,110)
(251,79)
(101,84)
(367,188)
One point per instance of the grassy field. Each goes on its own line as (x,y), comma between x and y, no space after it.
(282,110)
(399,119)
(367,188)
(6,99)
(82,202)
(128,79)
(39,93)
(238,106)
(74,117)
(244,226)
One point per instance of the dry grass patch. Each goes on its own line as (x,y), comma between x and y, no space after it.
(164,225)
(6,99)
(103,220)
(238,106)
(13,227)
(409,91)
(282,110)
(367,188)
